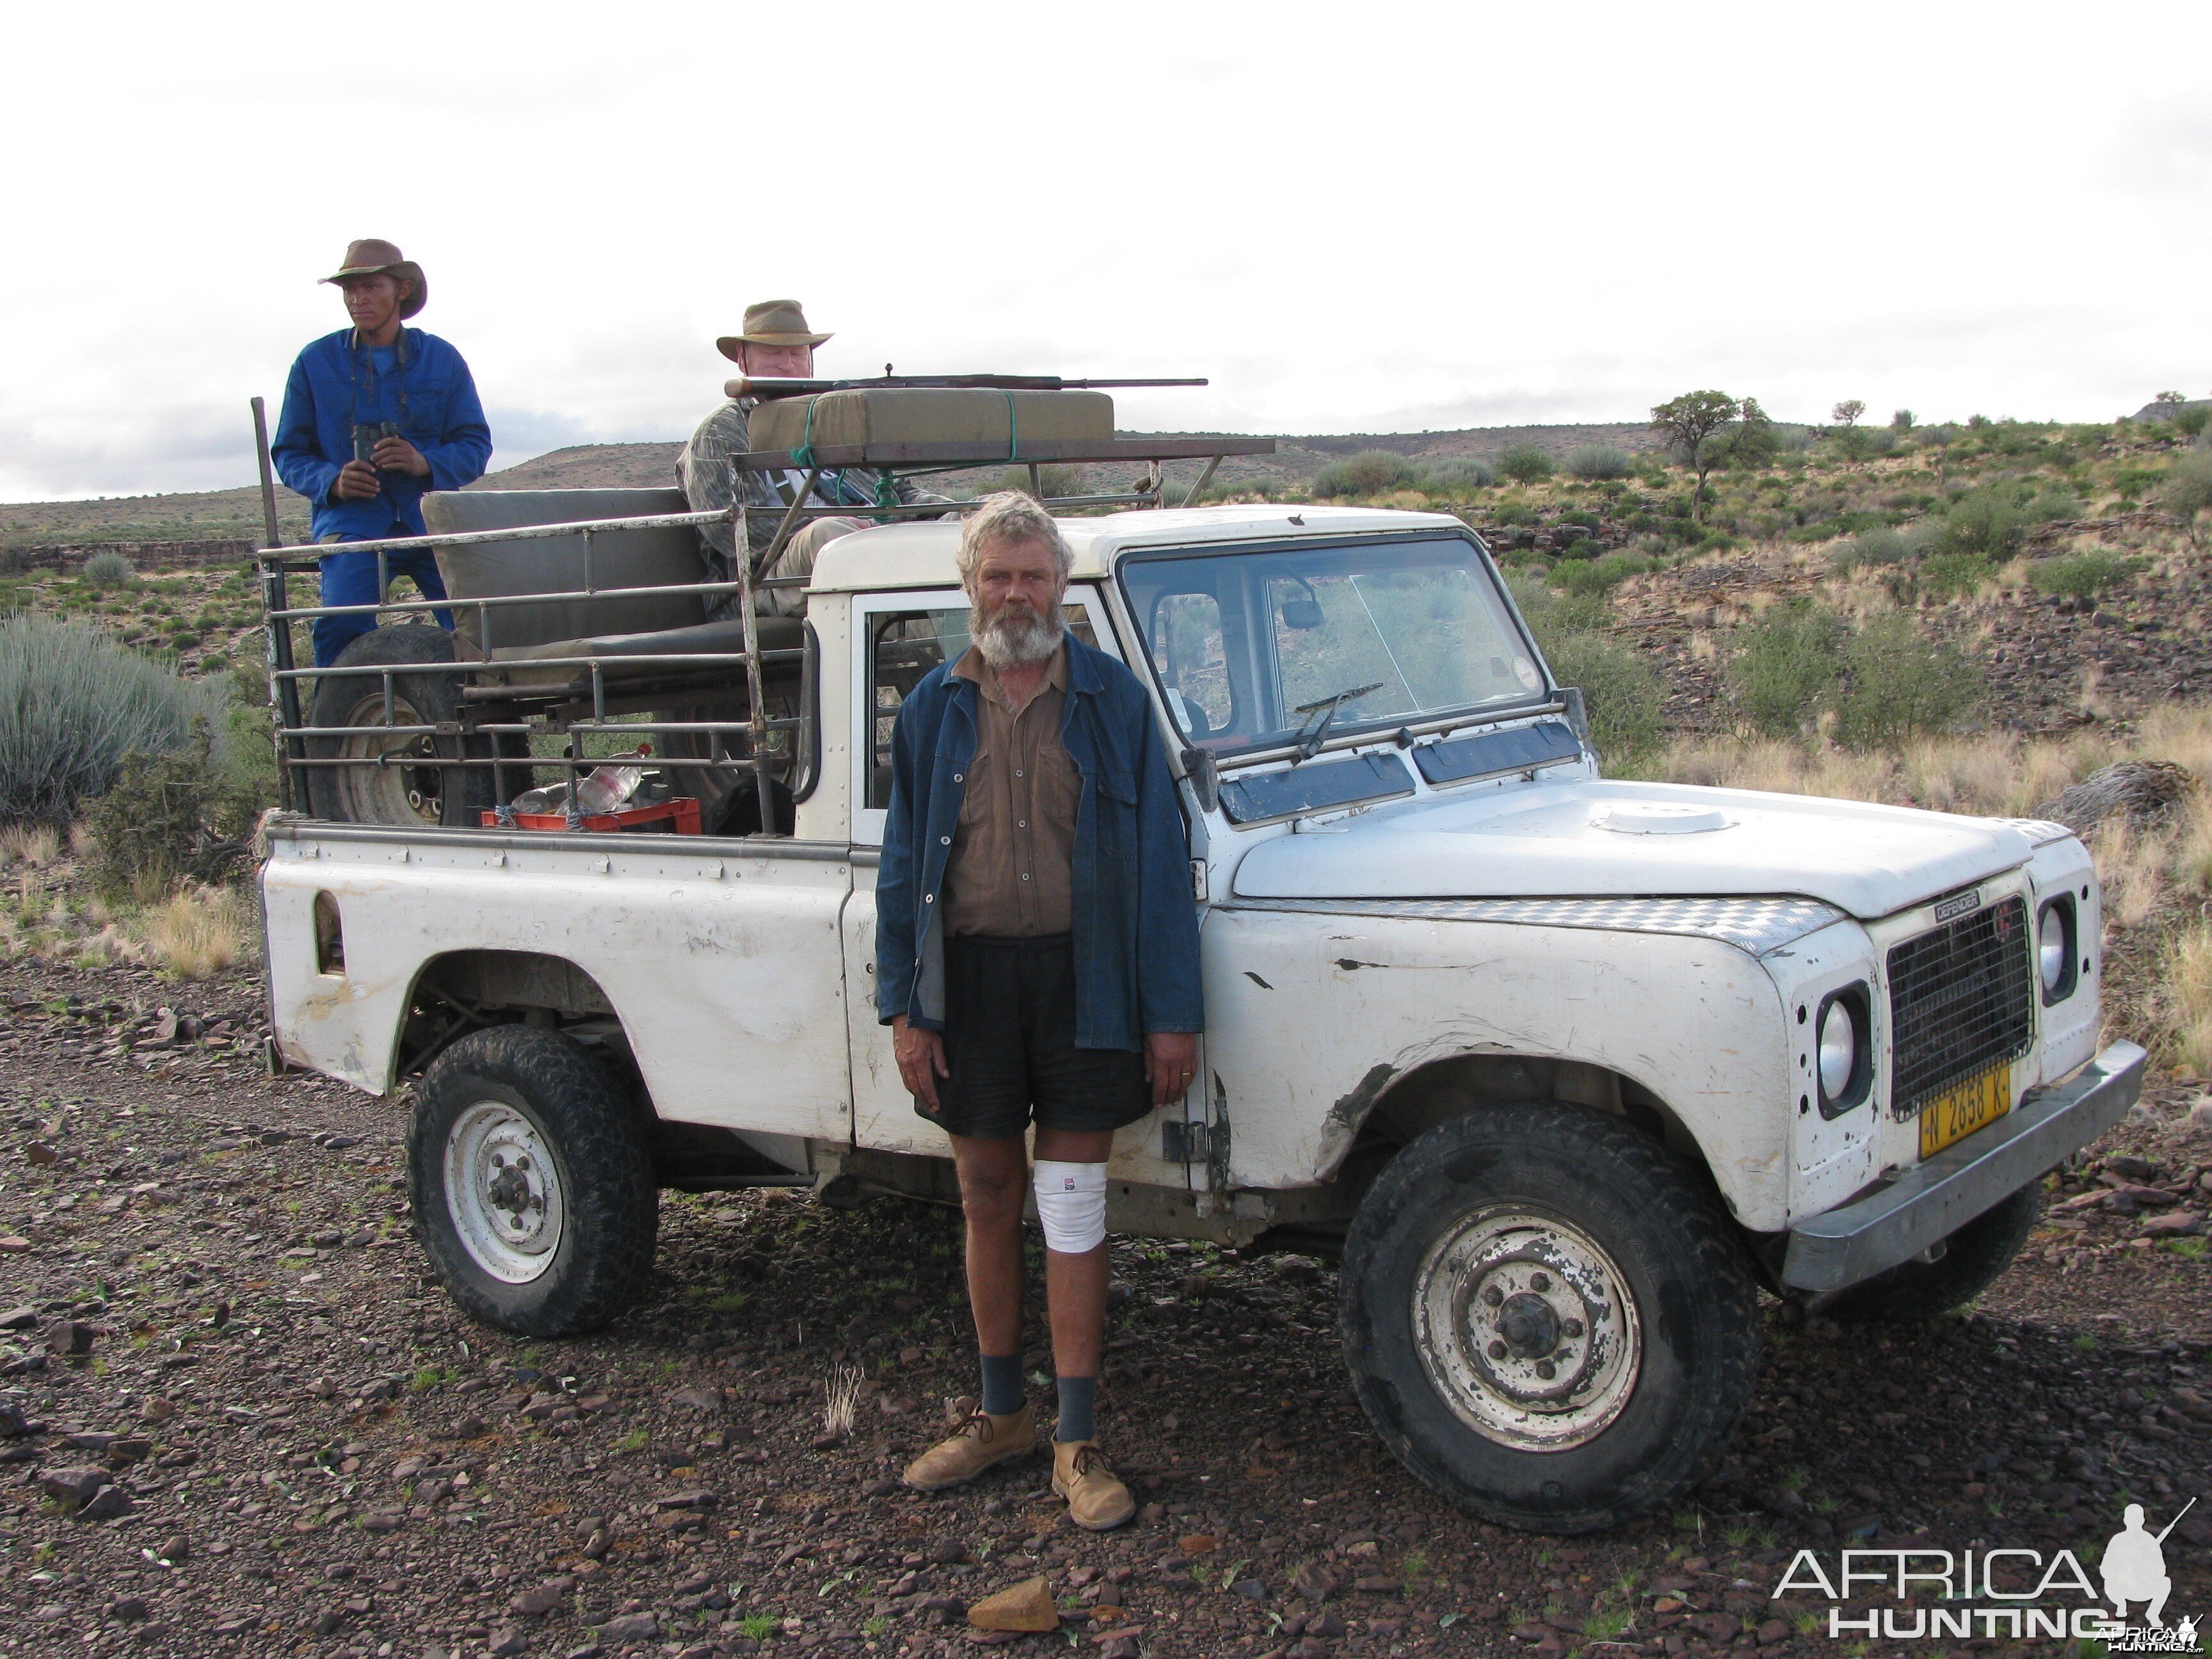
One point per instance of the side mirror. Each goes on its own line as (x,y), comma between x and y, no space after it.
(1198,765)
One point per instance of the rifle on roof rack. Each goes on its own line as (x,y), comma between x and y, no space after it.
(763,387)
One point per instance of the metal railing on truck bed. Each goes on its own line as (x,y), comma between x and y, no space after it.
(494,723)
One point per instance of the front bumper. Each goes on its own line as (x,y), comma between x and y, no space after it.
(1933,1199)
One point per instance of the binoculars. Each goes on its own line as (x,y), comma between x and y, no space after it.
(366,435)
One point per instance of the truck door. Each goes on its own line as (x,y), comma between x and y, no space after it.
(897,638)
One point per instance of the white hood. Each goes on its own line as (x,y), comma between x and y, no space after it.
(1616,839)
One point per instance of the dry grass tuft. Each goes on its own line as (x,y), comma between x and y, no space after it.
(2192,852)
(35,844)
(2184,1002)
(199,932)
(841,1392)
(2131,867)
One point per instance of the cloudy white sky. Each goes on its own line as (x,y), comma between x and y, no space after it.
(1378,217)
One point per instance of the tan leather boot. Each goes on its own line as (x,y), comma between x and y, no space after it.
(981,1441)
(1096,1499)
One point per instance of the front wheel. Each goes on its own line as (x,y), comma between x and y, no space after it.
(531,1183)
(1547,1318)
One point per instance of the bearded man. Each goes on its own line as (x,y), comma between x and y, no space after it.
(1037,961)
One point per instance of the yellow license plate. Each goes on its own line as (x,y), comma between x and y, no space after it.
(1972,1103)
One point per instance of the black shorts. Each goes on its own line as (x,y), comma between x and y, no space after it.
(1010,1042)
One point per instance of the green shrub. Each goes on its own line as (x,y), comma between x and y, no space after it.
(169,818)
(1785,666)
(1599,576)
(1950,575)
(1598,461)
(2057,507)
(1525,464)
(1550,614)
(109,570)
(2081,576)
(1454,477)
(1877,546)
(1581,548)
(1621,691)
(1370,472)
(2188,490)
(73,702)
(1903,682)
(1052,481)
(2190,422)
(1990,522)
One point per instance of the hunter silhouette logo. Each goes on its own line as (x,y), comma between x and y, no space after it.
(2134,1566)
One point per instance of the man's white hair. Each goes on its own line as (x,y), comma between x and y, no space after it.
(1009,518)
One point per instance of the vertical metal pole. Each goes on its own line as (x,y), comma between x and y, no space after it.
(268,476)
(276,635)
(756,688)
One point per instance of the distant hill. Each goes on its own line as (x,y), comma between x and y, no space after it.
(223,514)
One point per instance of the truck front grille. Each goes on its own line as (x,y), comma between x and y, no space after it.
(1960,999)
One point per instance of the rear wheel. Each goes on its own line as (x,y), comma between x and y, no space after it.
(1547,1318)
(532,1183)
(1972,1259)
(406,780)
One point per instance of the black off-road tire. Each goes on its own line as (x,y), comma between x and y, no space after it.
(369,795)
(1972,1259)
(1677,1257)
(598,1146)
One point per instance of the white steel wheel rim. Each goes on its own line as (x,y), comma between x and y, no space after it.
(504,1192)
(1527,1330)
(405,789)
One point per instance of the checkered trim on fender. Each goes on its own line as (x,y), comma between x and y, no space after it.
(1759,925)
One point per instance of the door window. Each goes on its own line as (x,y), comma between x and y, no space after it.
(903,645)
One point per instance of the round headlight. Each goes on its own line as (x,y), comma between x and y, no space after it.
(2051,949)
(1839,1049)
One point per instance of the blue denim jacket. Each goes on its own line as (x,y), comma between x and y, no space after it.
(1136,928)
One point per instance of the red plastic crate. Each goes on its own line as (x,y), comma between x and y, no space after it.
(678,814)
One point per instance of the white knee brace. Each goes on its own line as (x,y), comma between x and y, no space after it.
(1071,1200)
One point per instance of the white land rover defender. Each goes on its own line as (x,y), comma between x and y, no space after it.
(1567,1069)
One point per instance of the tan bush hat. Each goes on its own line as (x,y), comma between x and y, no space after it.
(372,256)
(772,322)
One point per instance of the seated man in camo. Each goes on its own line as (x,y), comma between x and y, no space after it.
(776,345)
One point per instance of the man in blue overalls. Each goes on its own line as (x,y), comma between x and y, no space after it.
(375,415)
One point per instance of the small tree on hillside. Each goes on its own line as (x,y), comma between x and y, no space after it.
(2187,494)
(1847,412)
(1752,443)
(1902,420)
(1690,422)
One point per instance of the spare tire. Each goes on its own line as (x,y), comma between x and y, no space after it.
(406,781)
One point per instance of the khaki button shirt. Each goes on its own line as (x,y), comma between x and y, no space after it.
(1011,871)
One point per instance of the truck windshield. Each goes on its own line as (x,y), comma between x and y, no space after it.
(1253,645)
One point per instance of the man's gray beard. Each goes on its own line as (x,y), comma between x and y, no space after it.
(1013,638)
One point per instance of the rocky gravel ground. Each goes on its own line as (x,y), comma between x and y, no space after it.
(237,1419)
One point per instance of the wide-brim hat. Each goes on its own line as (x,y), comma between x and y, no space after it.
(772,322)
(373,256)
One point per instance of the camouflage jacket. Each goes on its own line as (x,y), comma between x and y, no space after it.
(703,473)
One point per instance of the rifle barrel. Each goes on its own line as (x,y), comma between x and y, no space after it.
(2176,1522)
(764,387)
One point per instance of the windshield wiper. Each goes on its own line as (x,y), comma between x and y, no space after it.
(1321,715)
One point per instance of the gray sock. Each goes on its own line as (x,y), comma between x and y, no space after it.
(1078,1409)
(1003,1394)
